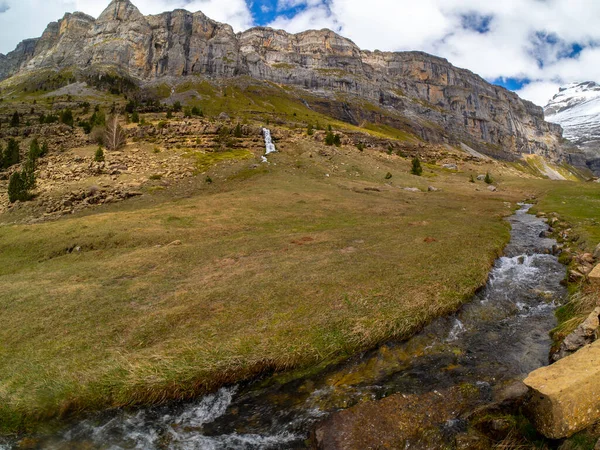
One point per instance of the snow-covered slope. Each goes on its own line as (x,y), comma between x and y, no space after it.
(577,108)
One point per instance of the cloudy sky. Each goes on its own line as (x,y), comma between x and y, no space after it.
(530,46)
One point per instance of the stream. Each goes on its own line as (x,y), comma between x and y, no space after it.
(499,336)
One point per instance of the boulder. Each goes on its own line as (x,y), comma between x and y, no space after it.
(594,276)
(565,397)
(585,334)
(492,188)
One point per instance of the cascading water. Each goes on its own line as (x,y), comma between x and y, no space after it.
(269,146)
(499,336)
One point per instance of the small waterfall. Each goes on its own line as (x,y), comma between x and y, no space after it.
(269,146)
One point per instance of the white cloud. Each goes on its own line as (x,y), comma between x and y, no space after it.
(520,34)
(28,18)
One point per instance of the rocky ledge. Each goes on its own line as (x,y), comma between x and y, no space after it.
(437,101)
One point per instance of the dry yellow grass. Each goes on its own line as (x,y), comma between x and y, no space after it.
(284,269)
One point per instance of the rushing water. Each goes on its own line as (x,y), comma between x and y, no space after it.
(501,335)
(269,145)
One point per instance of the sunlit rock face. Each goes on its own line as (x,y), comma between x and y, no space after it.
(437,101)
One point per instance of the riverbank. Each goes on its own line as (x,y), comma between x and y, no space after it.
(288,266)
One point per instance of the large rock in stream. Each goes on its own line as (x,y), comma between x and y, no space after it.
(566,395)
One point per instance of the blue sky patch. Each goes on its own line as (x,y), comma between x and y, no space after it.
(512,84)
(476,22)
(266,11)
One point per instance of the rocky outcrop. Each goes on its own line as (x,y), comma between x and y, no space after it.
(436,100)
(585,334)
(566,395)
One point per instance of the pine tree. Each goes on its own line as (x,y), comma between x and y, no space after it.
(329,138)
(337,141)
(17,189)
(488,178)
(44,150)
(237,132)
(14,122)
(28,174)
(11,154)
(114,138)
(34,149)
(99,156)
(416,167)
(66,117)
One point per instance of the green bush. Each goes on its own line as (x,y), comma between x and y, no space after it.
(34,149)
(197,111)
(388,176)
(360,146)
(135,117)
(177,106)
(66,117)
(337,141)
(169,114)
(187,113)
(416,168)
(329,138)
(99,156)
(310,130)
(17,188)
(488,178)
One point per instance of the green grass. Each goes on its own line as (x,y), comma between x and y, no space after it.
(578,204)
(204,160)
(276,270)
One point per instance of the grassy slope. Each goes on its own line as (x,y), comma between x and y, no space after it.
(283,269)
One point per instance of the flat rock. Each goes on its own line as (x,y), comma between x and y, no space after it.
(594,276)
(566,395)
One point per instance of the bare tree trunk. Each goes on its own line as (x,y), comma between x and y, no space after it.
(115,136)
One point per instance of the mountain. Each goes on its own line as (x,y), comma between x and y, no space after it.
(576,108)
(420,93)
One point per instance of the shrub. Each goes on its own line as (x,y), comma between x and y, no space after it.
(14,122)
(66,117)
(87,127)
(237,132)
(97,135)
(177,106)
(98,118)
(310,130)
(162,124)
(209,180)
(488,178)
(44,149)
(472,180)
(329,138)
(17,189)
(197,111)
(135,117)
(337,141)
(187,113)
(130,108)
(416,168)
(388,176)
(169,114)
(360,146)
(99,156)
(155,177)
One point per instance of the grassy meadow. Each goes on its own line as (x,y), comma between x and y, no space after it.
(267,269)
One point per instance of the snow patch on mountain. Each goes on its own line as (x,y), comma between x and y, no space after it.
(577,109)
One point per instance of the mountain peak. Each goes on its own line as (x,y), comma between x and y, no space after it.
(121,10)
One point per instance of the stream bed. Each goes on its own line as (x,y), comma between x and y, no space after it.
(499,336)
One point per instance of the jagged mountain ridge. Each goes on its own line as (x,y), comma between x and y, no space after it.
(441,102)
(576,108)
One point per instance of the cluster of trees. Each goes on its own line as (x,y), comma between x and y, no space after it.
(22,182)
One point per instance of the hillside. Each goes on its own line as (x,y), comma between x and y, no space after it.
(423,94)
(577,109)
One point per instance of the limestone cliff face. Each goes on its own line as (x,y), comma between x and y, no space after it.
(440,101)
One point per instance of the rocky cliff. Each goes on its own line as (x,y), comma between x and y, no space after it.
(438,101)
